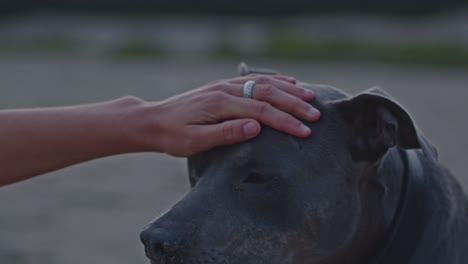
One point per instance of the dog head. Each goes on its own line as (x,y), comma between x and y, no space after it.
(281,199)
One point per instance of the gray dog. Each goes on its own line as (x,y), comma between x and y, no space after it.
(366,187)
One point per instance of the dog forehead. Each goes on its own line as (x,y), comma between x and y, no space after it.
(266,149)
(273,146)
(272,151)
(266,145)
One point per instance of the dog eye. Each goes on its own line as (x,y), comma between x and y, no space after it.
(258,178)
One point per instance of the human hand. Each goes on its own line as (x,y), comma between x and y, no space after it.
(217,114)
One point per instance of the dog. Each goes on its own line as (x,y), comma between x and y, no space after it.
(366,187)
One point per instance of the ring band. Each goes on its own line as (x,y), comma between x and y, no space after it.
(248,89)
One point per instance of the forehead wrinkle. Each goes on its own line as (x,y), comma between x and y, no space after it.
(241,155)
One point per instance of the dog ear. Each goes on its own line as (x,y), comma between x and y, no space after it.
(378,123)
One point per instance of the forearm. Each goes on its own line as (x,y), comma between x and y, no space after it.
(36,141)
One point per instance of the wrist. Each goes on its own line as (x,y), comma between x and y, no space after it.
(139,124)
(125,117)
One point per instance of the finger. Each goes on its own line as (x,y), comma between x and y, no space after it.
(243,79)
(235,107)
(290,88)
(304,94)
(285,78)
(285,101)
(225,133)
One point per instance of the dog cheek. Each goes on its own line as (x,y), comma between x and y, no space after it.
(326,226)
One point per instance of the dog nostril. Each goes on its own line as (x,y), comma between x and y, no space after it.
(159,244)
(157,249)
(163,248)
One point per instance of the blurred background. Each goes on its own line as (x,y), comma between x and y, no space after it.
(70,52)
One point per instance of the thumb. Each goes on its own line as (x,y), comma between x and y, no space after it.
(225,133)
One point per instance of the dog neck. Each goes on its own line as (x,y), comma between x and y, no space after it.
(410,213)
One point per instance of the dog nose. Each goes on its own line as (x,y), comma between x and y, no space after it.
(159,244)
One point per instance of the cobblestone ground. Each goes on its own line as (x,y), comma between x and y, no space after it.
(93,212)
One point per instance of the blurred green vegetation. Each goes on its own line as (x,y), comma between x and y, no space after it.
(138,49)
(288,47)
(133,49)
(227,50)
(48,45)
(279,46)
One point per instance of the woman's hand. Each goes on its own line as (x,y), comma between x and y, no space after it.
(217,114)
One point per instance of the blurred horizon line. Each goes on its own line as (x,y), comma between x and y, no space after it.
(436,41)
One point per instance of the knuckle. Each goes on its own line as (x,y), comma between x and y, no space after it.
(189,147)
(219,86)
(290,121)
(299,106)
(214,99)
(263,107)
(267,91)
(262,79)
(217,96)
(227,131)
(130,99)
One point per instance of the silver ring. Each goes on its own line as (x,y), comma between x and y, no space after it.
(248,89)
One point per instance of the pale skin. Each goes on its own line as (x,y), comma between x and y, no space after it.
(37,141)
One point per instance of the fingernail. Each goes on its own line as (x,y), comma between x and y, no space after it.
(250,129)
(305,129)
(309,94)
(313,113)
